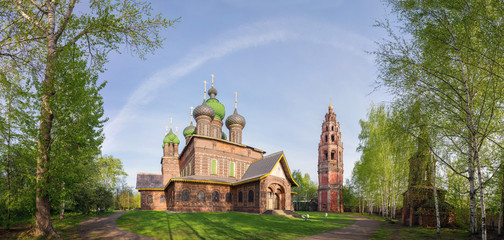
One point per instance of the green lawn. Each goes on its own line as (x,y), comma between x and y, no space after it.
(66,228)
(162,225)
(396,230)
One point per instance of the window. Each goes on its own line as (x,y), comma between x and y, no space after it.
(325,155)
(232,169)
(214,166)
(332,138)
(327,128)
(162,198)
(332,155)
(332,128)
(183,172)
(201,196)
(215,196)
(228,197)
(149,199)
(185,195)
(326,138)
(251,196)
(240,197)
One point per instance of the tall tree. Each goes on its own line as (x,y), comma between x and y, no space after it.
(449,55)
(381,173)
(34,33)
(307,189)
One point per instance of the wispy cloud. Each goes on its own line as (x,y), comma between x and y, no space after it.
(242,38)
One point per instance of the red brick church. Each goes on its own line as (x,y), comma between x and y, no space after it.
(213,173)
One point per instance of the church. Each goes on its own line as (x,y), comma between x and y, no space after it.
(214,173)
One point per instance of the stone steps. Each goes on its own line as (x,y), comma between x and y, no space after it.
(286,213)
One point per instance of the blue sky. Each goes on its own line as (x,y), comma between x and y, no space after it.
(285,59)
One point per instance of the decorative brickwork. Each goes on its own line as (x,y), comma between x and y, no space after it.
(418,200)
(212,174)
(330,166)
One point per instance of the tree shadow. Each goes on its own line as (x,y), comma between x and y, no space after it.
(194,230)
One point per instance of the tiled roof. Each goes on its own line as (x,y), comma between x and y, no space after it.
(149,180)
(206,178)
(261,167)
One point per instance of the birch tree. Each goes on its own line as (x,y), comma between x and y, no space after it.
(33,34)
(449,54)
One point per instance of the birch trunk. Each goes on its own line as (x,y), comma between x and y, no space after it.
(436,204)
(482,199)
(43,209)
(8,162)
(472,197)
(499,228)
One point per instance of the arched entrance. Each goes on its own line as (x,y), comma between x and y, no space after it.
(275,197)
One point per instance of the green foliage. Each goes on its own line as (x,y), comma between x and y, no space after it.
(448,56)
(89,198)
(63,51)
(162,225)
(380,176)
(306,191)
(307,188)
(110,170)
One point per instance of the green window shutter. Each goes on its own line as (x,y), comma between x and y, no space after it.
(183,172)
(214,166)
(189,171)
(231,169)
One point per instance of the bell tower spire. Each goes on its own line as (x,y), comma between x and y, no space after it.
(330,165)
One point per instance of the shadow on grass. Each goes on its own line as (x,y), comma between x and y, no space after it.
(189,226)
(229,230)
(169,227)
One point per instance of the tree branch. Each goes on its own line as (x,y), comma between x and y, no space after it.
(67,16)
(31,20)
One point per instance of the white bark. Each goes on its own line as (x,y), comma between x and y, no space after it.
(438,223)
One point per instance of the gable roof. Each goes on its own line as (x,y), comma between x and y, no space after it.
(149,181)
(256,171)
(263,168)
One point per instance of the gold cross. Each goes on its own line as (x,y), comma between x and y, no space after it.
(204,92)
(212,78)
(191,112)
(171,122)
(236,99)
(166,132)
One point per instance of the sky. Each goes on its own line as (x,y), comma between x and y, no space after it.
(286,59)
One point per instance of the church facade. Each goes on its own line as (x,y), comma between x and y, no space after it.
(330,165)
(213,173)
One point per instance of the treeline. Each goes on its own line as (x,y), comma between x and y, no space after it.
(52,111)
(444,65)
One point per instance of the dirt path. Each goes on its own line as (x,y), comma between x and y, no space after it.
(105,228)
(363,228)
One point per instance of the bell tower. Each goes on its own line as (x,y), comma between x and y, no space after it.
(330,165)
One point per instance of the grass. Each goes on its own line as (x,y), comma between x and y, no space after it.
(66,228)
(162,225)
(395,230)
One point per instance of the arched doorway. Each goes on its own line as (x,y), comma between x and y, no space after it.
(277,201)
(275,197)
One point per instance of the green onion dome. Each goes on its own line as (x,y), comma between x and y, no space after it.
(220,111)
(171,137)
(224,136)
(218,108)
(189,130)
(235,118)
(203,110)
